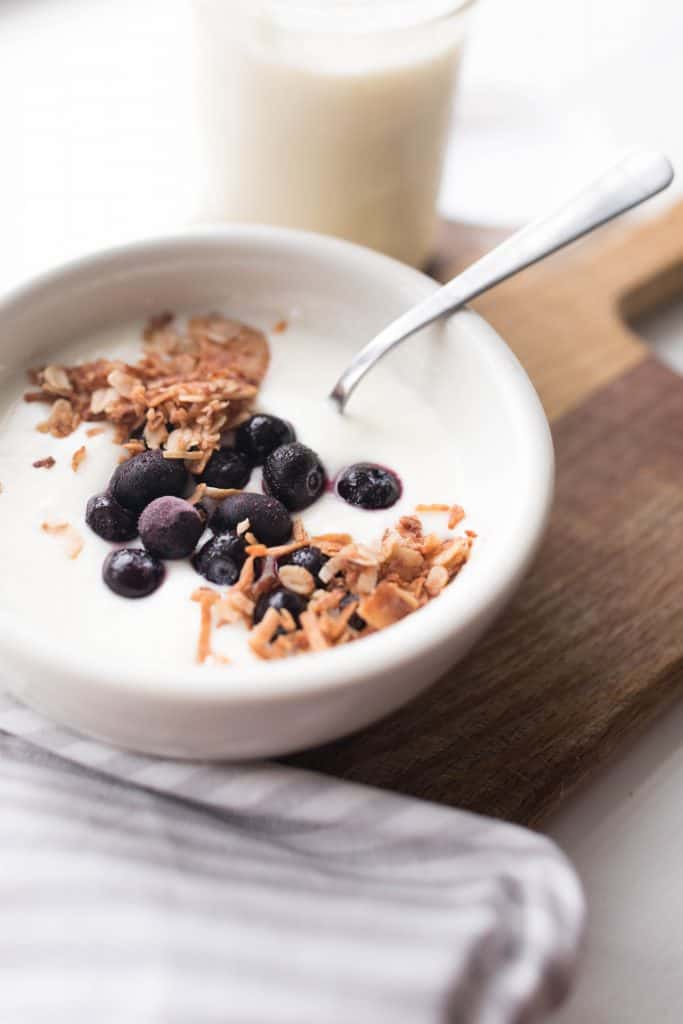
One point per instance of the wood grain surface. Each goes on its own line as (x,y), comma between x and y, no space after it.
(592,647)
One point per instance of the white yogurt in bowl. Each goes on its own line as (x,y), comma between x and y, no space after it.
(55,592)
(451,412)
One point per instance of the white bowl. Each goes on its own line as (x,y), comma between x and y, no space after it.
(462,368)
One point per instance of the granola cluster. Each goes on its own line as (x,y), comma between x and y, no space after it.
(188,387)
(365,589)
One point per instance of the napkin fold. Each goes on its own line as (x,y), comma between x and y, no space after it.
(162,892)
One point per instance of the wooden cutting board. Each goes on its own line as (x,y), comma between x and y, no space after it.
(592,647)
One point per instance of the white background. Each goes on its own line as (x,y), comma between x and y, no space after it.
(98,146)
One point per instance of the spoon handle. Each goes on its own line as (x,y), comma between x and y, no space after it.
(635,178)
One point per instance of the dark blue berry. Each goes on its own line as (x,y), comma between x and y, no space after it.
(279,599)
(269,520)
(227,468)
(369,485)
(309,558)
(356,622)
(261,435)
(109,520)
(132,572)
(147,476)
(220,559)
(294,475)
(170,527)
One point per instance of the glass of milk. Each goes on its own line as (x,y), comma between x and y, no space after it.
(329,115)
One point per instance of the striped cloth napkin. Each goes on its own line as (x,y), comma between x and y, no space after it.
(159,892)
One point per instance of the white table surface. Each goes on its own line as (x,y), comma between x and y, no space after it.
(96,112)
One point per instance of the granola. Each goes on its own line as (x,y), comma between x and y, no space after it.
(364,590)
(188,387)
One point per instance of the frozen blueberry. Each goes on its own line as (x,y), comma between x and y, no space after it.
(170,527)
(294,475)
(310,558)
(278,599)
(269,520)
(369,485)
(147,476)
(261,435)
(220,559)
(132,572)
(109,520)
(356,622)
(227,468)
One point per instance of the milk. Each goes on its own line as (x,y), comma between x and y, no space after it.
(328,117)
(66,599)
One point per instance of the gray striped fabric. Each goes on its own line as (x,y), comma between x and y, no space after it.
(159,892)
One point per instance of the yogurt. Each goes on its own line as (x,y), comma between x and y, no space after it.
(326,116)
(67,599)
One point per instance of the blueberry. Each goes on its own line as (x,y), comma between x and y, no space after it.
(227,468)
(278,599)
(220,559)
(147,476)
(132,572)
(295,475)
(310,558)
(170,527)
(261,435)
(369,485)
(109,520)
(356,622)
(269,520)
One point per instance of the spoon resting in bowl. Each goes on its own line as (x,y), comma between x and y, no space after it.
(636,177)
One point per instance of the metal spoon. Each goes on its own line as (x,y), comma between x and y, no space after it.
(631,181)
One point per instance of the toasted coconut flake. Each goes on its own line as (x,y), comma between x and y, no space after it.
(206,598)
(101,399)
(456,514)
(453,555)
(310,624)
(261,635)
(299,531)
(247,574)
(62,421)
(436,506)
(47,463)
(285,549)
(133,448)
(405,561)
(122,382)
(297,579)
(388,604)
(94,431)
(259,550)
(334,627)
(241,603)
(73,539)
(331,568)
(218,493)
(242,527)
(55,380)
(325,600)
(366,581)
(251,538)
(185,456)
(78,457)
(436,580)
(287,620)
